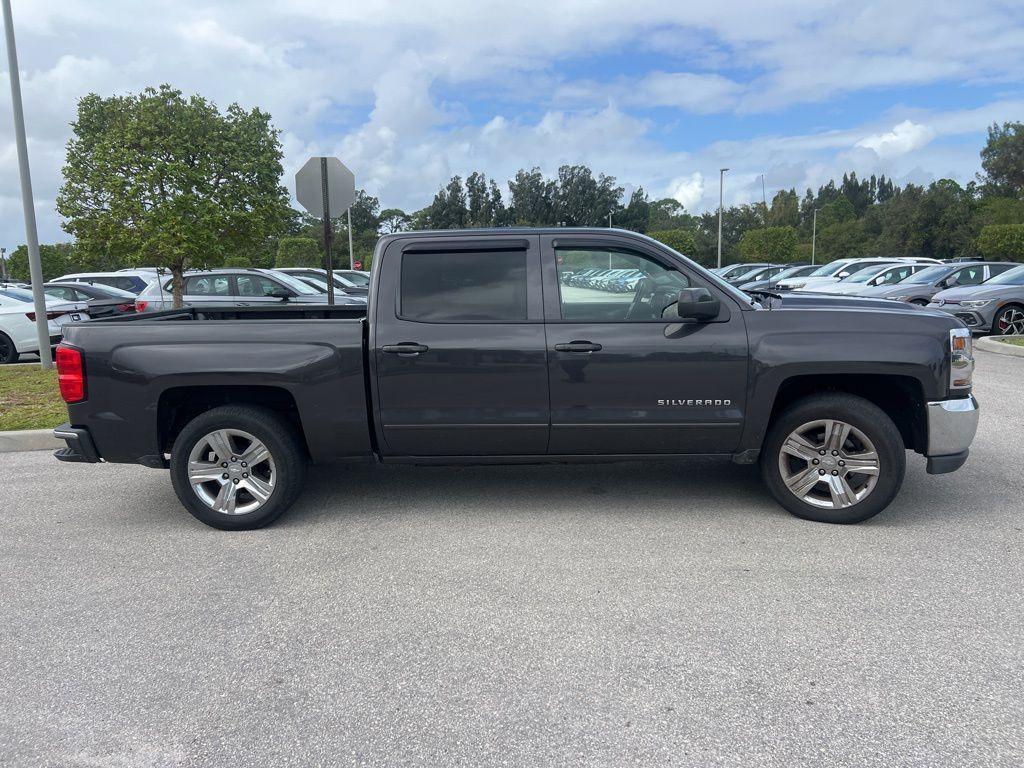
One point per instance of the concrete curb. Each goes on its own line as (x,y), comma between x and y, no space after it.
(29,440)
(992,344)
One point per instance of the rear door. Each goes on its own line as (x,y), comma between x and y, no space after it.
(459,350)
(626,377)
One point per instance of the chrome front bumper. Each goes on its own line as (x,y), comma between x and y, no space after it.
(952,425)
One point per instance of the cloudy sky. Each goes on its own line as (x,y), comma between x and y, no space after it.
(659,94)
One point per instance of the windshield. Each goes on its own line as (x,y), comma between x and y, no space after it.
(829,269)
(863,275)
(297,285)
(318,283)
(790,272)
(1013,276)
(357,278)
(929,275)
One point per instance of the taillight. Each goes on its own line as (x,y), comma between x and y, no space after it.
(70,374)
(140,305)
(127,307)
(49,315)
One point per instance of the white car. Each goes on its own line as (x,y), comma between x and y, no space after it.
(840,269)
(17,322)
(133,280)
(872,277)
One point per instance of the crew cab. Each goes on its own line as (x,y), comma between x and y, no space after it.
(472,349)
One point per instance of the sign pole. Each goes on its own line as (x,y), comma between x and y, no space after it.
(350,260)
(31,234)
(328,258)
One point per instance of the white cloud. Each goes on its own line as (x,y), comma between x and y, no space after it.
(903,138)
(687,190)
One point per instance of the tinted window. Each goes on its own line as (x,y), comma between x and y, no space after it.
(970,275)
(124,282)
(255,285)
(464,287)
(636,288)
(207,285)
(60,292)
(998,269)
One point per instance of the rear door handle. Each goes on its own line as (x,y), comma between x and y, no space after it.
(578,346)
(405,348)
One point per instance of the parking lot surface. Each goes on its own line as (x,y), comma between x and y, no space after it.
(636,614)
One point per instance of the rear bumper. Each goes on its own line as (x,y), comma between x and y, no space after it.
(80,445)
(952,425)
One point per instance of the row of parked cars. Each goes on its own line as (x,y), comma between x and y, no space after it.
(987,295)
(87,295)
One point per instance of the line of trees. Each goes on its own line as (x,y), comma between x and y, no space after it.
(160,179)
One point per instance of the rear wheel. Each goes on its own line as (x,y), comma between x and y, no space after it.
(833,459)
(8,352)
(919,302)
(1009,321)
(237,467)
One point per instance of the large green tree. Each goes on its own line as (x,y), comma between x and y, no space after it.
(773,245)
(56,260)
(161,179)
(1002,159)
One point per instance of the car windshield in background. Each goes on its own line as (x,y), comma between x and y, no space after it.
(929,275)
(1013,276)
(828,270)
(863,275)
(16,293)
(789,272)
(297,285)
(107,291)
(356,279)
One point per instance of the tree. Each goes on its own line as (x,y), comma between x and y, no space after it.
(773,245)
(667,213)
(580,200)
(1000,242)
(448,208)
(56,260)
(238,262)
(299,252)
(843,240)
(1002,159)
(679,240)
(484,205)
(531,199)
(394,220)
(785,210)
(163,180)
(636,213)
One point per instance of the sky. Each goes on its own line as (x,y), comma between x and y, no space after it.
(658,94)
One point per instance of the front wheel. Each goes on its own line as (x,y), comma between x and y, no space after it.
(237,467)
(833,459)
(8,352)
(1009,321)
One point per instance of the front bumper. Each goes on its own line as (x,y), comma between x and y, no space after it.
(952,425)
(80,445)
(972,318)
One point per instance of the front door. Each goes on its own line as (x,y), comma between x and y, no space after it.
(459,348)
(626,376)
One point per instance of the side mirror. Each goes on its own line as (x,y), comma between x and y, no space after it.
(282,295)
(697,304)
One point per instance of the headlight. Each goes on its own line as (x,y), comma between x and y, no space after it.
(961,371)
(976,304)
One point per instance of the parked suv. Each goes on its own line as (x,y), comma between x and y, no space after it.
(234,288)
(996,305)
(920,287)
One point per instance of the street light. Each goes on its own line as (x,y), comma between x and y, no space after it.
(814,235)
(721,185)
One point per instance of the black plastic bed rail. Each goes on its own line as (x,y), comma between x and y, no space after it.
(283,312)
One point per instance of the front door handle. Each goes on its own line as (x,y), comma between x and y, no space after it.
(405,348)
(578,346)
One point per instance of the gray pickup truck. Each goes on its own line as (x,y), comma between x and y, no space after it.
(474,347)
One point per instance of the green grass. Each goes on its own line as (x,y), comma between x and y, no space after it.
(1017,341)
(29,398)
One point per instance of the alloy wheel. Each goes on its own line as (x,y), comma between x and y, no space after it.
(231,471)
(1011,322)
(829,464)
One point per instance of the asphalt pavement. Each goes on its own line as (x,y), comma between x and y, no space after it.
(637,614)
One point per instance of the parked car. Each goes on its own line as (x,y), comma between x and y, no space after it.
(770,283)
(469,352)
(840,269)
(341,283)
(995,306)
(18,334)
(734,270)
(100,300)
(862,279)
(763,272)
(235,288)
(357,277)
(920,287)
(134,280)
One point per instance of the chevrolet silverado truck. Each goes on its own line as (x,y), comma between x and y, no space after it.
(475,348)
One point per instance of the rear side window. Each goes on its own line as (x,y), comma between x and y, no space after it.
(207,285)
(488,287)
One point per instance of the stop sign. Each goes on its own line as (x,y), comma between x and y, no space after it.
(325,180)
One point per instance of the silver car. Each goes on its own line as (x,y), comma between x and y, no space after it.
(235,288)
(996,305)
(920,287)
(860,282)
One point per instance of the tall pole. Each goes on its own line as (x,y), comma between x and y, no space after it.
(31,235)
(328,233)
(721,197)
(764,197)
(814,235)
(350,261)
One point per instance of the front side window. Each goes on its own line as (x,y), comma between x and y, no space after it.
(638,288)
(487,287)
(207,285)
(971,275)
(255,285)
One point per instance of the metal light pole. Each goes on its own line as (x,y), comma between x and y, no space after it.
(814,235)
(721,186)
(31,235)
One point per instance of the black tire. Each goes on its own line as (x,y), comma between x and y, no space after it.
(864,416)
(1001,317)
(286,449)
(919,302)
(8,352)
